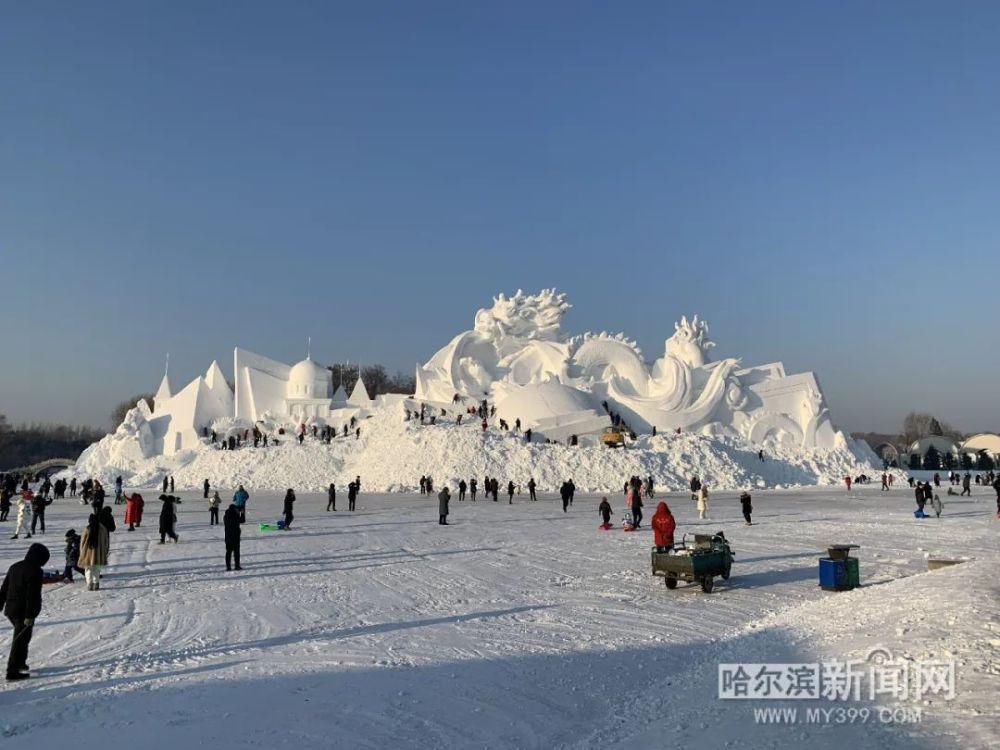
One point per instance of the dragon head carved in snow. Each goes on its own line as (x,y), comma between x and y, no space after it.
(690,342)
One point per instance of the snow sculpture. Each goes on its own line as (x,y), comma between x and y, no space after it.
(272,392)
(179,422)
(517,357)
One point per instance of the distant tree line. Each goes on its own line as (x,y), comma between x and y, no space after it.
(27,444)
(916,426)
(377,379)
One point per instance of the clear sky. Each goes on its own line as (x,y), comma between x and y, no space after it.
(821,181)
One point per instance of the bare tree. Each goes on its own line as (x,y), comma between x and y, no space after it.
(917,425)
(118,415)
(376,377)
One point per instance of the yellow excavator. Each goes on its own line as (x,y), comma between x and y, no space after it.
(613,437)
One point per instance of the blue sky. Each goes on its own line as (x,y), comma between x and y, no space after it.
(818,180)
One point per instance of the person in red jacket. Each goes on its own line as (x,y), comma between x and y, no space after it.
(133,510)
(663,524)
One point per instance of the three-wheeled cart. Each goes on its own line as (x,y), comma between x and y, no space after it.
(709,556)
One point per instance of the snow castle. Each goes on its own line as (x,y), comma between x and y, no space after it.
(266,392)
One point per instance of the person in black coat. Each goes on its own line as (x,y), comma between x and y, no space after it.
(231,524)
(918,493)
(168,518)
(745,502)
(331,497)
(107,519)
(72,555)
(636,509)
(98,498)
(38,504)
(605,510)
(966,485)
(352,495)
(443,497)
(287,510)
(21,599)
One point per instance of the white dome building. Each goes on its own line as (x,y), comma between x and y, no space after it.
(307,392)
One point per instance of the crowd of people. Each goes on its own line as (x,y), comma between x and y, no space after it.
(247,437)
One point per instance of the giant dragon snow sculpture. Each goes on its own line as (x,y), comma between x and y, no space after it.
(517,356)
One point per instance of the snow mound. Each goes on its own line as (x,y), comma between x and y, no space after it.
(392,453)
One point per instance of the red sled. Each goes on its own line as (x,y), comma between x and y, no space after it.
(605,527)
(52,576)
(628,528)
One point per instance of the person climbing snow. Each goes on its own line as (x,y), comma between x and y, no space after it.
(663,524)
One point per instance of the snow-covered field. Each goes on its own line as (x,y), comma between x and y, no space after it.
(516,626)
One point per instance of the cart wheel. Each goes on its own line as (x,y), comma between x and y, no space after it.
(725,573)
(671,581)
(706,584)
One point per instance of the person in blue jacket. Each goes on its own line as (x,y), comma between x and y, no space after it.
(240,501)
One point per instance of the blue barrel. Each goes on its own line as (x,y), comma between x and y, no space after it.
(832,573)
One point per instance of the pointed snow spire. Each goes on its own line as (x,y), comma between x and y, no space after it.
(359,394)
(339,396)
(214,377)
(164,393)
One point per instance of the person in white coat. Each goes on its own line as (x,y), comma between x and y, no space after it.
(703,502)
(23,515)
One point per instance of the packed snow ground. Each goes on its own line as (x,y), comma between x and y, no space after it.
(514,627)
(392,454)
